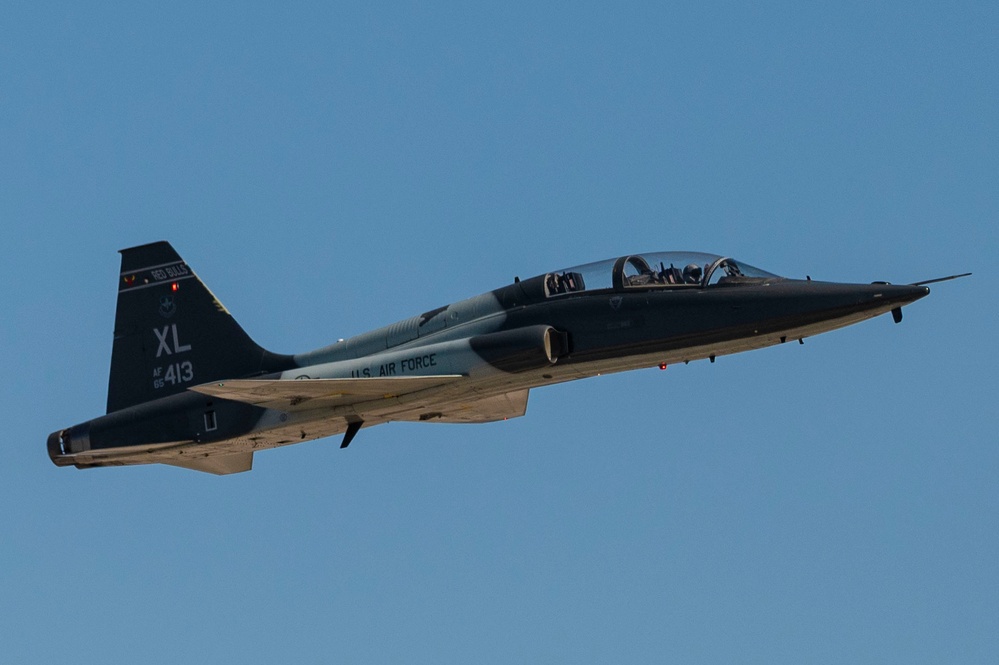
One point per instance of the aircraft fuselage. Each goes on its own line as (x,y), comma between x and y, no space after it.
(472,361)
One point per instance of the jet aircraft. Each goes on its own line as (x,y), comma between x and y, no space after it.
(189,388)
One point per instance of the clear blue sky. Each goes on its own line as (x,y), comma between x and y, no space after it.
(329,168)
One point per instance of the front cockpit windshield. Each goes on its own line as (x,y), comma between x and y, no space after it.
(677,270)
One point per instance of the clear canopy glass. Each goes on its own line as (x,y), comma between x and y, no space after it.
(654,270)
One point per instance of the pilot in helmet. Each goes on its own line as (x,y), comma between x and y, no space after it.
(692,274)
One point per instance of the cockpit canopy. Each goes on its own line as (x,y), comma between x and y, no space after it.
(665,270)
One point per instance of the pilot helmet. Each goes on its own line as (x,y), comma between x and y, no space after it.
(692,273)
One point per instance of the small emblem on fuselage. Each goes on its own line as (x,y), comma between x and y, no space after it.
(167,307)
(615,302)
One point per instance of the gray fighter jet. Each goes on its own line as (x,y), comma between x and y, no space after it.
(189,388)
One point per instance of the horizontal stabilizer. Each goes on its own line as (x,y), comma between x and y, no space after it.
(304,394)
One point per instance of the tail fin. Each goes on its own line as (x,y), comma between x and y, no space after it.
(171,332)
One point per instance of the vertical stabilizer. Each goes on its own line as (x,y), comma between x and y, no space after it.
(171,332)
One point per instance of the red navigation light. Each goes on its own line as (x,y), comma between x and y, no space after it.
(174,286)
(662,365)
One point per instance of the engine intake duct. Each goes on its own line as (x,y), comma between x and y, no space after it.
(522,349)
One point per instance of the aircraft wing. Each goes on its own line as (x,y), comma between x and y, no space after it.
(302,394)
(482,410)
(220,465)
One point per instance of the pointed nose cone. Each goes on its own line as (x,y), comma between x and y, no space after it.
(901,294)
(861,297)
(871,298)
(822,306)
(907,294)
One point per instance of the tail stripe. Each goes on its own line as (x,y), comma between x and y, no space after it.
(139,287)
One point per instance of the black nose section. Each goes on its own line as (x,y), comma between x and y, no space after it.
(900,294)
(810,302)
(879,295)
(884,297)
